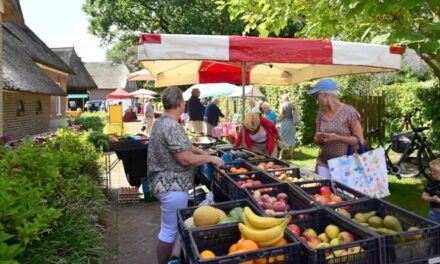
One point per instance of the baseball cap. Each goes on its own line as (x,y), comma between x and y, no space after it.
(324,85)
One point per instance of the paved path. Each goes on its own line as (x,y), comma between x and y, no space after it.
(133,228)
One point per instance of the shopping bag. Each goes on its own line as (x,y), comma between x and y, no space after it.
(366,172)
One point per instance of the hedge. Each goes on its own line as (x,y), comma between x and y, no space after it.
(51,201)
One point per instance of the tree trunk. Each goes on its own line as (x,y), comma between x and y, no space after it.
(433,62)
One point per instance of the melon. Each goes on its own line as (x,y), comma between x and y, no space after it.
(206,215)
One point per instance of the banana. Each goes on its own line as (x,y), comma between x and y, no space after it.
(271,242)
(260,221)
(245,220)
(258,235)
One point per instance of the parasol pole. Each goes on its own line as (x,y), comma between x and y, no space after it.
(243,83)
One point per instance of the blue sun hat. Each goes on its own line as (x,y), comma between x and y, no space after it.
(325,85)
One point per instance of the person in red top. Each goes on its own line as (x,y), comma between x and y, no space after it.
(260,134)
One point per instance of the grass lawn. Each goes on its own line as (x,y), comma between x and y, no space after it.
(405,193)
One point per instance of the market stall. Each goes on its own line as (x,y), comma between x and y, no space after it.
(279,213)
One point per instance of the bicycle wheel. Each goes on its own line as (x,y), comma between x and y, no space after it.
(409,166)
(424,156)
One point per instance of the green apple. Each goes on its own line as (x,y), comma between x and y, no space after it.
(335,242)
(323,238)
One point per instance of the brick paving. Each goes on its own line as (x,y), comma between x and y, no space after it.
(133,228)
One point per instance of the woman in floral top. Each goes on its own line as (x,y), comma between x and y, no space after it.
(171,159)
(337,125)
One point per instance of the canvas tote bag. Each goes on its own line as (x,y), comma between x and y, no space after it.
(365,171)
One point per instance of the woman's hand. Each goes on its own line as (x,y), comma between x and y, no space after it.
(216,161)
(330,137)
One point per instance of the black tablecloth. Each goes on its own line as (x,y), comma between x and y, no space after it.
(135,163)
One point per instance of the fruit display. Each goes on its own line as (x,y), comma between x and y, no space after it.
(257,157)
(288,175)
(326,196)
(387,225)
(207,215)
(264,231)
(270,165)
(272,205)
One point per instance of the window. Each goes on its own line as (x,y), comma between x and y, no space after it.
(38,108)
(58,105)
(58,102)
(19,108)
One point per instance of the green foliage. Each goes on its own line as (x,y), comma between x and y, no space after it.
(414,24)
(51,202)
(307,125)
(99,140)
(90,120)
(401,99)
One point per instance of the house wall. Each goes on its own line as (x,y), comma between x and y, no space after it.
(100,94)
(30,122)
(58,120)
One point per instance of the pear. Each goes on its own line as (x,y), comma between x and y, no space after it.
(363,217)
(375,221)
(392,223)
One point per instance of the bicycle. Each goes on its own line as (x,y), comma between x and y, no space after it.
(415,150)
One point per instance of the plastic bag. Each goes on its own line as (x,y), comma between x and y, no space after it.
(208,200)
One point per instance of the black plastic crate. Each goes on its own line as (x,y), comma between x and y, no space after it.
(296,200)
(221,179)
(276,162)
(218,239)
(396,248)
(186,213)
(234,184)
(347,194)
(295,174)
(318,220)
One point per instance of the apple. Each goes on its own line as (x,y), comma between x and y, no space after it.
(303,239)
(295,229)
(309,233)
(335,242)
(325,191)
(323,237)
(282,197)
(346,237)
(267,205)
(323,245)
(338,252)
(322,200)
(354,250)
(266,198)
(279,206)
(269,211)
(313,242)
(336,199)
(257,194)
(332,231)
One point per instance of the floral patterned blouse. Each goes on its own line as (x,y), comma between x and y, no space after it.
(164,173)
(342,124)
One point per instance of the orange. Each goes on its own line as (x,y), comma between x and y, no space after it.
(207,254)
(233,248)
(281,242)
(249,245)
(240,243)
(233,170)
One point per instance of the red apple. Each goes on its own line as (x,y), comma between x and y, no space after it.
(279,206)
(336,199)
(346,237)
(282,197)
(295,229)
(322,200)
(325,191)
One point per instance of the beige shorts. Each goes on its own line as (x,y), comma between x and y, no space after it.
(197,126)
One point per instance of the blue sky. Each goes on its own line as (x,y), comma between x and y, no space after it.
(62,23)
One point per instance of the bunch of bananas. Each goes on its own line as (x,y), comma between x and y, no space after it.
(265,231)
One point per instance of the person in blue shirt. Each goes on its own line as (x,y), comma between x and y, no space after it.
(268,113)
(212,115)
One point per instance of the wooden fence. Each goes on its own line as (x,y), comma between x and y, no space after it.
(372,111)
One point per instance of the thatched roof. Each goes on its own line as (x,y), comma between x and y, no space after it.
(108,75)
(12,12)
(82,79)
(20,73)
(35,48)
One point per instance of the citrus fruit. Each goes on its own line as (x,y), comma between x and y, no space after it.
(206,254)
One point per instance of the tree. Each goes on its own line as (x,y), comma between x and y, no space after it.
(125,50)
(111,20)
(410,23)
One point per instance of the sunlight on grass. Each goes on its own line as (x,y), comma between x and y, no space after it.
(405,193)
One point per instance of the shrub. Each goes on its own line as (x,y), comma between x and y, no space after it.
(51,203)
(90,120)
